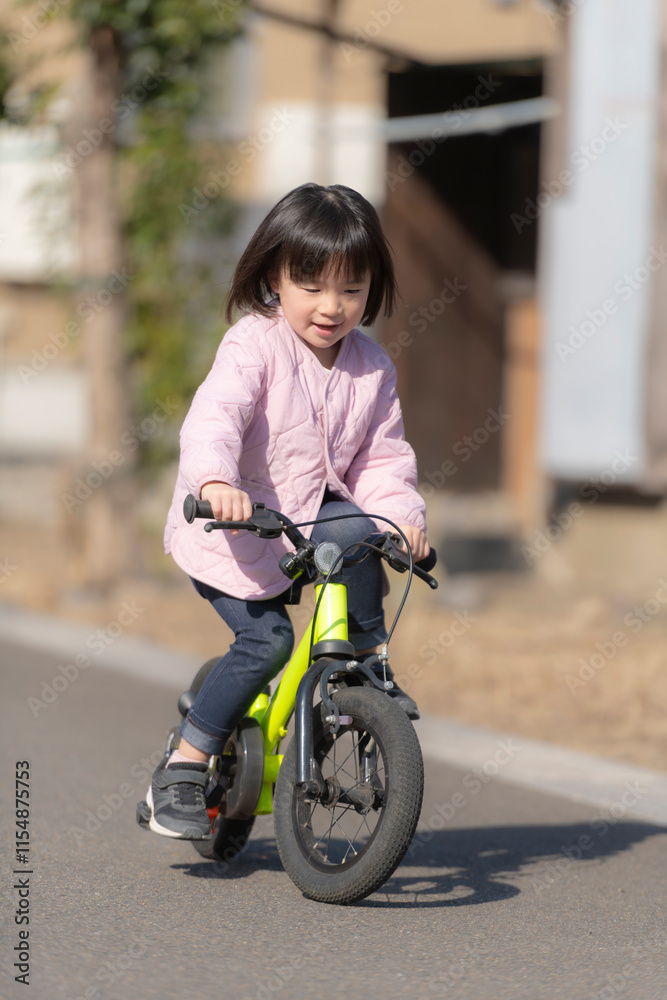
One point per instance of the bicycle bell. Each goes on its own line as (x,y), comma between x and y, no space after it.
(327,554)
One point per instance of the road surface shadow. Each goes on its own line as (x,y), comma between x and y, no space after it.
(466,867)
(260,854)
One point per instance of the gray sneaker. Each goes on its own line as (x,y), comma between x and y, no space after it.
(177,802)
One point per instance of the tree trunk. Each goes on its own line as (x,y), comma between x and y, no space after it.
(108,512)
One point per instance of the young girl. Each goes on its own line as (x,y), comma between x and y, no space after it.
(299,412)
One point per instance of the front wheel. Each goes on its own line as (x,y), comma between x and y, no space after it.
(344,848)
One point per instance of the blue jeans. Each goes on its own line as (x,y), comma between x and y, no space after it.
(264,637)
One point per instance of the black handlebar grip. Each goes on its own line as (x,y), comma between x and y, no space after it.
(422,568)
(428,562)
(193,508)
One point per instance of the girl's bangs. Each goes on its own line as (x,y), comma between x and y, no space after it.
(348,254)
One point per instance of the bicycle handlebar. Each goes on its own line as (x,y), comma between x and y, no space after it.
(267,523)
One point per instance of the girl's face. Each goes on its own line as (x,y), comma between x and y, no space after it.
(322,311)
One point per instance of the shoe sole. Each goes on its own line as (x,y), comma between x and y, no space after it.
(192,834)
(411,712)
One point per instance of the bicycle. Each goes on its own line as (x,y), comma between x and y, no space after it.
(347,794)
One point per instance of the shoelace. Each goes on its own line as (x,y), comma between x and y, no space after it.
(190,795)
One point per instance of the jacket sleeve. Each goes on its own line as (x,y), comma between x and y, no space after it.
(382,476)
(212,432)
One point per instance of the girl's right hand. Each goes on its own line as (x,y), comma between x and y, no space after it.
(228,503)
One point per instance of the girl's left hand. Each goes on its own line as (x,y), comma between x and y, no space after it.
(418,541)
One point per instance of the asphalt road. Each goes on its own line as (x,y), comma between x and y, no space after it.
(516,895)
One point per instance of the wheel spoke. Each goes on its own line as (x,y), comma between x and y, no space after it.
(343,845)
(341,766)
(356,777)
(363,820)
(333,821)
(364,783)
(351,845)
(370,832)
(308,825)
(319,841)
(326,856)
(363,780)
(354,838)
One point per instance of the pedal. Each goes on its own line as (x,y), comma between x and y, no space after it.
(143,815)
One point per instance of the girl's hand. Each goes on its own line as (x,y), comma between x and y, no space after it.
(418,541)
(228,503)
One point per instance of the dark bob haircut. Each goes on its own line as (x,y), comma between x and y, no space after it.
(310,228)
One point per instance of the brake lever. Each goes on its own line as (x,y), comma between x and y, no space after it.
(262,522)
(391,552)
(399,559)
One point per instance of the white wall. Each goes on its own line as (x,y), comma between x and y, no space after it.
(47,417)
(289,157)
(36,237)
(596,238)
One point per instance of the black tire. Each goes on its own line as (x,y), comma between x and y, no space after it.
(229,839)
(311,837)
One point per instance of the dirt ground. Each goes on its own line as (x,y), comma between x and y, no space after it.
(573,652)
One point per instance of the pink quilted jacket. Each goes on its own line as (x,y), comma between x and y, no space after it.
(270,420)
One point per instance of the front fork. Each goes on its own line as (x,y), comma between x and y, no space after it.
(308,774)
(331,654)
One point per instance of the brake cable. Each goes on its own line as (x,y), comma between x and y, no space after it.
(384,654)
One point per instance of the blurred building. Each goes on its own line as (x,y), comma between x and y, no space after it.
(602,211)
(435,112)
(43,388)
(514,150)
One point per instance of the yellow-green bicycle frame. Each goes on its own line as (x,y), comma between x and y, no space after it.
(273,715)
